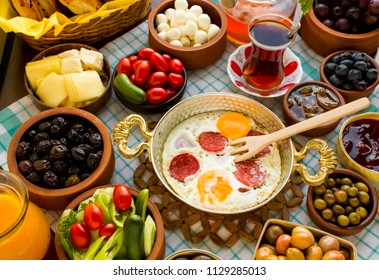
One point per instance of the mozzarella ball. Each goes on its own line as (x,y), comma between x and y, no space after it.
(180,17)
(181,4)
(162,35)
(169,13)
(191,17)
(201,37)
(176,43)
(213,31)
(190,28)
(203,21)
(186,42)
(173,34)
(163,27)
(160,18)
(196,9)
(196,45)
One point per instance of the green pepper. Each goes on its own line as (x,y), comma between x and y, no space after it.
(141,203)
(118,218)
(93,248)
(133,229)
(113,245)
(104,200)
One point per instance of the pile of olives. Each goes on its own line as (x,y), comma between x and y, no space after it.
(299,243)
(59,152)
(350,71)
(348,16)
(342,202)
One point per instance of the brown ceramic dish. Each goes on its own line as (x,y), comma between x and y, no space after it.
(290,118)
(150,108)
(324,40)
(344,157)
(350,229)
(58,199)
(158,251)
(287,228)
(192,57)
(193,254)
(94,105)
(349,95)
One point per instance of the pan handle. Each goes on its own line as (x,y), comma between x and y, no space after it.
(121,133)
(327,162)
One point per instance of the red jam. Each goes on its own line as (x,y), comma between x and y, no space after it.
(361,141)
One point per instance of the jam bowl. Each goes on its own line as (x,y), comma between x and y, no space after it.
(354,149)
(214,105)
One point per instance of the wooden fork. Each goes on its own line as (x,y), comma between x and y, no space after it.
(254,144)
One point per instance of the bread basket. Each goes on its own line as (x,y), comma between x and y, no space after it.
(96,29)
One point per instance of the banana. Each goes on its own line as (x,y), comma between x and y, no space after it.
(28,9)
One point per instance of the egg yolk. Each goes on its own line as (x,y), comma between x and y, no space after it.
(212,185)
(233,125)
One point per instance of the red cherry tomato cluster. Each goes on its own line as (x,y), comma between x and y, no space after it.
(159,75)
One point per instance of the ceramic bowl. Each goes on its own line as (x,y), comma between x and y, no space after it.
(145,108)
(334,228)
(193,57)
(58,199)
(158,250)
(349,95)
(192,254)
(92,106)
(287,228)
(346,160)
(290,118)
(324,40)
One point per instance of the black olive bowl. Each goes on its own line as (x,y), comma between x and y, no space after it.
(349,95)
(146,108)
(59,197)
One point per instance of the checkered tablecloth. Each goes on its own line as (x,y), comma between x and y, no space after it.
(211,79)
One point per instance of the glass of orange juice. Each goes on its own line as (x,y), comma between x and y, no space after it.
(24,229)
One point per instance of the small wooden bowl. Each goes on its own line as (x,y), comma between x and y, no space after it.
(334,228)
(158,251)
(349,95)
(317,233)
(324,40)
(192,254)
(92,106)
(192,57)
(290,118)
(58,199)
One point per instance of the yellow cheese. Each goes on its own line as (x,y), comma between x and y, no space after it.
(52,90)
(38,69)
(85,86)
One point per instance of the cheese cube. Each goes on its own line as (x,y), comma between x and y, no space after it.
(71,65)
(52,90)
(69,53)
(92,59)
(38,69)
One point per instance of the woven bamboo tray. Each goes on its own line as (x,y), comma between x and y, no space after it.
(95,30)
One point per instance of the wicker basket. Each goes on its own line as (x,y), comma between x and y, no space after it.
(95,30)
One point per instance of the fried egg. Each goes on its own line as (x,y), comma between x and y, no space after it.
(212,183)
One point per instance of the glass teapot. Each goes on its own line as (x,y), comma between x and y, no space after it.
(240,12)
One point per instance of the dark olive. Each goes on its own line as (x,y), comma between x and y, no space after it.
(348,62)
(26,167)
(86,148)
(78,127)
(60,121)
(22,149)
(360,85)
(84,176)
(338,209)
(96,139)
(44,126)
(371,75)
(74,136)
(361,56)
(341,71)
(93,160)
(348,209)
(56,130)
(335,81)
(78,154)
(354,75)
(72,180)
(41,165)
(33,177)
(272,233)
(33,157)
(43,146)
(330,68)
(347,85)
(51,179)
(59,166)
(360,65)
(72,170)
(41,136)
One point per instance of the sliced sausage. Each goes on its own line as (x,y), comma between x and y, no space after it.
(183,165)
(249,173)
(212,141)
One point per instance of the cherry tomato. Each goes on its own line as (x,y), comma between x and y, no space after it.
(133,58)
(132,78)
(122,197)
(175,80)
(176,66)
(107,230)
(157,79)
(156,95)
(145,53)
(136,64)
(166,57)
(80,236)
(124,66)
(142,72)
(93,216)
(170,92)
(158,62)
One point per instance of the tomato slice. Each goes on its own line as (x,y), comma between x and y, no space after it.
(122,197)
(93,216)
(80,236)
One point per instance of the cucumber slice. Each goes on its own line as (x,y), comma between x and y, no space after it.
(141,203)
(149,233)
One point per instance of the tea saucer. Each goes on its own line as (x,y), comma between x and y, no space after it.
(292,69)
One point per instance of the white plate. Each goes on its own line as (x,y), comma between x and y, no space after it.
(292,69)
